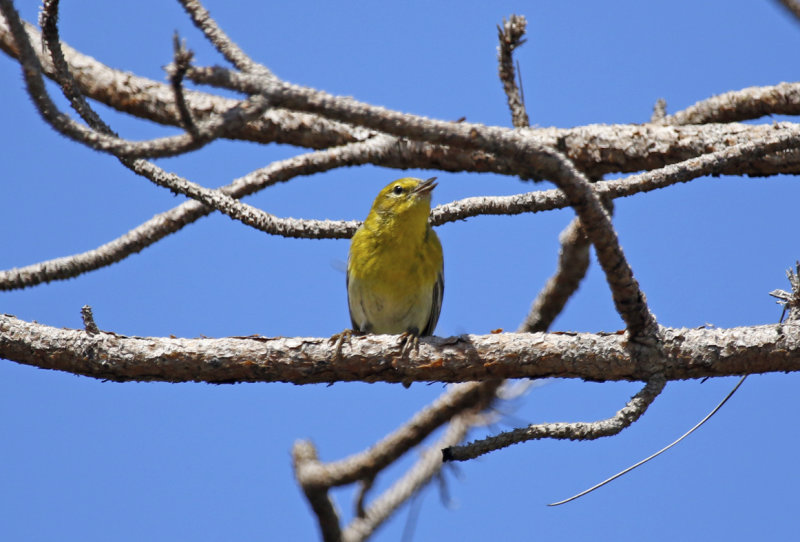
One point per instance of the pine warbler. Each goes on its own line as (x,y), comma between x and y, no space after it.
(395,270)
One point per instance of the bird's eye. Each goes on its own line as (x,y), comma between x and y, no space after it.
(397,189)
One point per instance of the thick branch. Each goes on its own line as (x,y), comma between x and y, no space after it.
(688,353)
(155,101)
(595,149)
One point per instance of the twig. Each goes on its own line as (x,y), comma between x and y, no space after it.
(573,261)
(788,136)
(182,58)
(659,111)
(304,455)
(597,149)
(653,456)
(510,35)
(219,39)
(88,320)
(631,412)
(175,219)
(739,105)
(209,130)
(790,300)
(247,214)
(415,479)
(367,464)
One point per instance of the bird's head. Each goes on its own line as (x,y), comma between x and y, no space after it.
(405,199)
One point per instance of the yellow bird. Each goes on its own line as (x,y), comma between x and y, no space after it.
(395,269)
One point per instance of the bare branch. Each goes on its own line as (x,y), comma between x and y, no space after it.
(202,19)
(780,137)
(544,162)
(155,101)
(739,105)
(366,464)
(510,36)
(209,130)
(693,353)
(656,454)
(596,150)
(631,412)
(304,455)
(182,59)
(247,214)
(414,480)
(175,219)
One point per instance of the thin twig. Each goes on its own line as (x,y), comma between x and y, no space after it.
(510,35)
(304,455)
(414,480)
(367,464)
(181,60)
(175,219)
(219,39)
(88,320)
(212,128)
(653,456)
(631,412)
(596,149)
(788,136)
(790,300)
(738,105)
(659,111)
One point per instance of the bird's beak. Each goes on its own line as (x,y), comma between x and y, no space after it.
(425,187)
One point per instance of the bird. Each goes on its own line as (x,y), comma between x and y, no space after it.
(395,266)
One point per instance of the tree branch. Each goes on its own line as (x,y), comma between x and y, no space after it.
(366,464)
(415,479)
(596,149)
(175,219)
(219,39)
(210,129)
(780,137)
(153,100)
(688,353)
(747,103)
(510,35)
(304,455)
(631,412)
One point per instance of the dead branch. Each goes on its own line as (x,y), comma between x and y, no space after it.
(689,353)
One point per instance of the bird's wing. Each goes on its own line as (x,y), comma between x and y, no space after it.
(436,306)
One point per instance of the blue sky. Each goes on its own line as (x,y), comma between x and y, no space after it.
(87,460)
